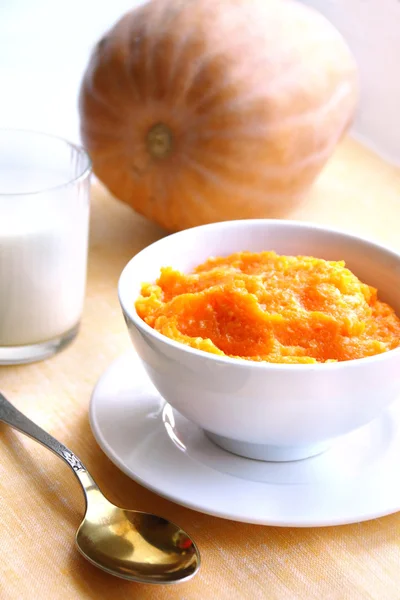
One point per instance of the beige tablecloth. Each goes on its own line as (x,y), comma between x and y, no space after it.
(41,502)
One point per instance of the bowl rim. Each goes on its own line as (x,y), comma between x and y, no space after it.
(130,311)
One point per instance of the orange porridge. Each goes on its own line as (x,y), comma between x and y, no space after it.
(266,307)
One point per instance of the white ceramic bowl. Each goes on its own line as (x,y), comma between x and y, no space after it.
(260,410)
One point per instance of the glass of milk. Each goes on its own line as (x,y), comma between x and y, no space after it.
(44,223)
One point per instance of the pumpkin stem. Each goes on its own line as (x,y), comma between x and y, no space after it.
(159,141)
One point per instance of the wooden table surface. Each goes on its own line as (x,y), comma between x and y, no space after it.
(41,503)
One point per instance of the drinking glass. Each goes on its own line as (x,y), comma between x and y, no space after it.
(44,224)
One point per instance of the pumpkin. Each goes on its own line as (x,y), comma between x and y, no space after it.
(195,111)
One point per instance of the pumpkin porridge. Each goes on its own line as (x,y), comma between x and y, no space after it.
(266,307)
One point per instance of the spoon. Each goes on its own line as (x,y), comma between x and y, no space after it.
(130,544)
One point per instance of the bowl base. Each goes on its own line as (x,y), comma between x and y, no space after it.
(266,452)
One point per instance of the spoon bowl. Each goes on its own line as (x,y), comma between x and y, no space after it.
(131,544)
(135,545)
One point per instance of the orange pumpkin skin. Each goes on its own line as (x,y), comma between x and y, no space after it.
(200,111)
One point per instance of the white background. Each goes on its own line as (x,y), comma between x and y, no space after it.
(44,48)
(45,44)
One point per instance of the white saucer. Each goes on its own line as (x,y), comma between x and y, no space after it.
(357,479)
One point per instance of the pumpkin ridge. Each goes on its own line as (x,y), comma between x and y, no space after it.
(221,181)
(236,80)
(292,120)
(273,170)
(98,96)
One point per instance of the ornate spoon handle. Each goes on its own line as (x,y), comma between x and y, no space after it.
(13,417)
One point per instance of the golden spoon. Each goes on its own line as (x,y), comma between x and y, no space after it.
(127,543)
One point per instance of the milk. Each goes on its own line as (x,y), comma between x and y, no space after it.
(43,255)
